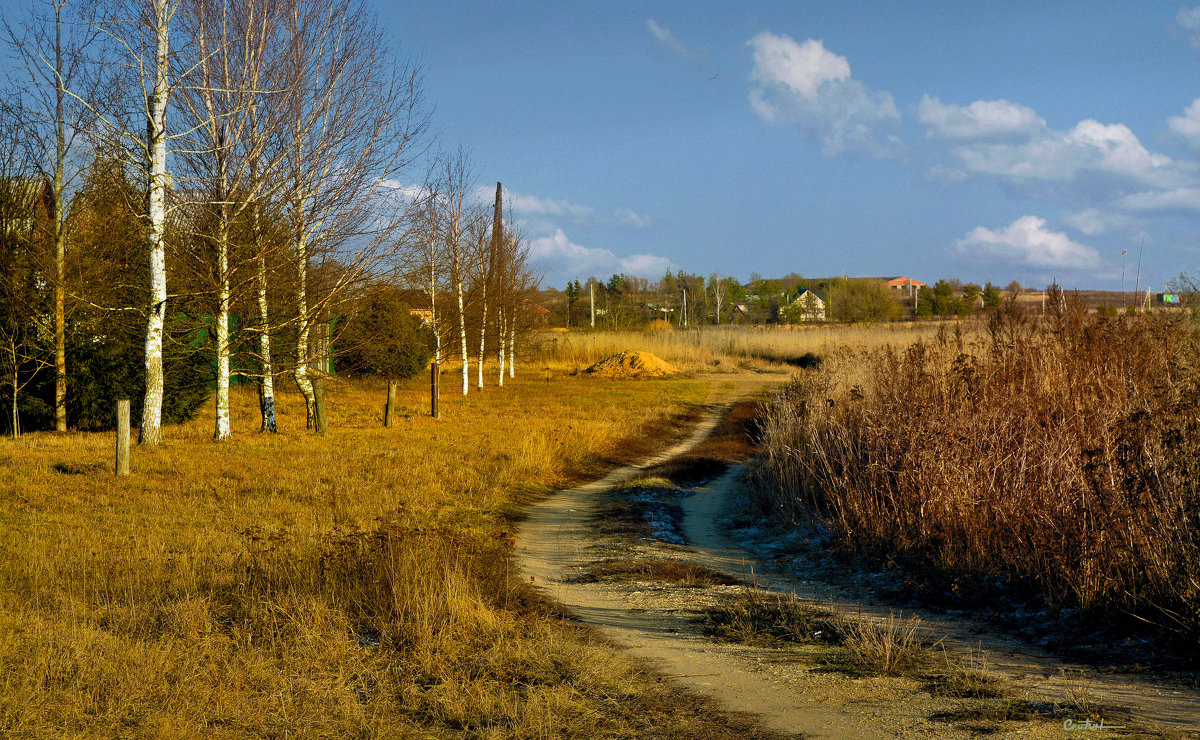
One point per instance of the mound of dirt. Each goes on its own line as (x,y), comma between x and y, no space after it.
(631,364)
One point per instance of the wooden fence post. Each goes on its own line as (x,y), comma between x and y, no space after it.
(123,436)
(322,420)
(389,411)
(434,390)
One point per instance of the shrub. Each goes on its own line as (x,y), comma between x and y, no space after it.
(384,338)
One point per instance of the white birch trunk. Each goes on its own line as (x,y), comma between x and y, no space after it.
(462,329)
(482,331)
(150,432)
(500,345)
(222,432)
(301,372)
(266,385)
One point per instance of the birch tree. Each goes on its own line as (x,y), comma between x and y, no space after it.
(352,118)
(140,33)
(516,283)
(455,182)
(54,80)
(487,264)
(226,158)
(720,293)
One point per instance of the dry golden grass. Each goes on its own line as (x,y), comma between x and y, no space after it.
(355,584)
(1051,459)
(728,348)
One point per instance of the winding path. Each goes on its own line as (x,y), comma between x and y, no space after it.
(559,534)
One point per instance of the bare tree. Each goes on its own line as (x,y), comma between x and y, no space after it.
(139,31)
(52,44)
(351,121)
(455,181)
(227,163)
(720,293)
(25,202)
(487,262)
(516,282)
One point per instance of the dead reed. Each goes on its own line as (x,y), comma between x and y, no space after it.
(725,348)
(1058,457)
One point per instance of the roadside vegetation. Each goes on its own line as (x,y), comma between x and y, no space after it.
(1050,462)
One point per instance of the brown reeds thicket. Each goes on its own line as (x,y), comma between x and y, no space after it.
(355,584)
(726,348)
(1057,456)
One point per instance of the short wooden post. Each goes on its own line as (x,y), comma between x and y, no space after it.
(123,436)
(322,421)
(434,380)
(389,411)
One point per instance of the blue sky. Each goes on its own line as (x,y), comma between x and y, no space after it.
(978,140)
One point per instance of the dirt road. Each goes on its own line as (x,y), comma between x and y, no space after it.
(657,623)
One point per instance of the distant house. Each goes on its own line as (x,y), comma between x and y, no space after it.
(903,285)
(810,305)
(424,314)
(742,308)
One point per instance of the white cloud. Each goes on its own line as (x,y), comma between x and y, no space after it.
(1187,126)
(1094,222)
(1178,200)
(407,192)
(983,119)
(1028,241)
(1188,22)
(802,68)
(666,40)
(810,87)
(1010,141)
(533,205)
(627,217)
(560,259)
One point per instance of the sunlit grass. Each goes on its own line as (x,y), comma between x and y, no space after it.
(297,585)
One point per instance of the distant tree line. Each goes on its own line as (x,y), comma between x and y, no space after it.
(680,298)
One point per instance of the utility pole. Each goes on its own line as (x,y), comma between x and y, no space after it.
(1123,251)
(1138,280)
(684,306)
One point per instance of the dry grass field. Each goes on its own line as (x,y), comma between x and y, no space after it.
(358,583)
(729,348)
(1054,461)
(292,585)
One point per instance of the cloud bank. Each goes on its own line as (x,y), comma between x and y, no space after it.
(561,259)
(809,87)
(1027,241)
